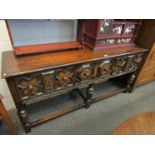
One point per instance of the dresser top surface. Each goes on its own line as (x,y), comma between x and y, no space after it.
(12,65)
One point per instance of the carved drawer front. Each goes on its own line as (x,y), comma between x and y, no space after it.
(119,65)
(138,60)
(105,68)
(84,72)
(48,81)
(29,86)
(134,61)
(65,77)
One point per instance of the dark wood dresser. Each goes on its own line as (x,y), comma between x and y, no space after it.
(38,77)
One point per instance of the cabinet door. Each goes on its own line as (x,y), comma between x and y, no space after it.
(104,27)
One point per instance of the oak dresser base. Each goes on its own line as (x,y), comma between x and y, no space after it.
(38,77)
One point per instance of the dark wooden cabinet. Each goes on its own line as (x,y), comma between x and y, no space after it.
(109,33)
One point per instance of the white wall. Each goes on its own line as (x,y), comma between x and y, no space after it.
(42,31)
(5,45)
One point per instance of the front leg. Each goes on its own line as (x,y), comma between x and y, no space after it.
(89,95)
(21,107)
(130,83)
(22,114)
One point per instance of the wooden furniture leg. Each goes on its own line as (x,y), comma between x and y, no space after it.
(21,107)
(22,114)
(89,95)
(130,82)
(6,117)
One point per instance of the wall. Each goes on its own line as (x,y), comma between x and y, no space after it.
(30,31)
(5,45)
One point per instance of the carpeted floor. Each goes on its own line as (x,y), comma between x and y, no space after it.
(101,118)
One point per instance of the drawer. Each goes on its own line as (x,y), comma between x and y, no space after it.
(36,84)
(29,86)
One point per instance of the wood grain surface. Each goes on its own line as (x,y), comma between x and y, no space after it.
(142,124)
(6,118)
(12,65)
(46,47)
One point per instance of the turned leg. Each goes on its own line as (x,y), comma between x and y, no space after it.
(21,107)
(7,118)
(89,95)
(22,114)
(130,82)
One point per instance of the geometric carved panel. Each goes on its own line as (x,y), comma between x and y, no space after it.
(29,86)
(119,65)
(134,61)
(138,60)
(84,72)
(65,77)
(105,68)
